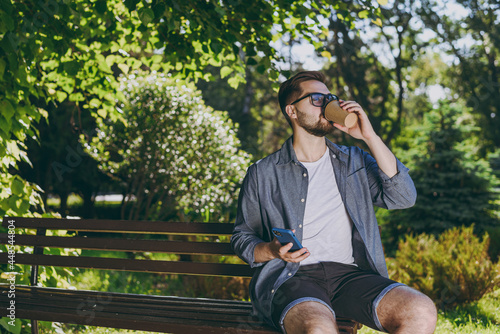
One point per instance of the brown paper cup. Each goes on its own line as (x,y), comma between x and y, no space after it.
(334,113)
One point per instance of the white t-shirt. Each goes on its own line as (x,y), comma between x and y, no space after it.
(327,228)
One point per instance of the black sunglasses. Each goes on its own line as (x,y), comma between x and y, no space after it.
(319,99)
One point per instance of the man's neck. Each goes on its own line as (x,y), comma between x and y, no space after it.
(308,148)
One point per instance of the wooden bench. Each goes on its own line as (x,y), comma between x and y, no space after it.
(170,314)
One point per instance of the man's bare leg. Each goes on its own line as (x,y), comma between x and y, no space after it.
(405,310)
(310,317)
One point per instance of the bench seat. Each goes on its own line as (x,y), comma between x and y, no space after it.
(167,314)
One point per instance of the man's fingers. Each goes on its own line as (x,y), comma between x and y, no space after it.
(298,255)
(284,249)
(303,256)
(341,127)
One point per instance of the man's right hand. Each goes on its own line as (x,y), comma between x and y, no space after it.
(282,251)
(267,251)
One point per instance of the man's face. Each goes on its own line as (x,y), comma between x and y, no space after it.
(309,117)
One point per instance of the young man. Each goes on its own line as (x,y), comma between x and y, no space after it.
(325,193)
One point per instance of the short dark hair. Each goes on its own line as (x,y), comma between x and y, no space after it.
(290,89)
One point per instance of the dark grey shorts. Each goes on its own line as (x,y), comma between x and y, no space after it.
(345,289)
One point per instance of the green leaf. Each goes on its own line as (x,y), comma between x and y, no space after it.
(378,21)
(363,14)
(13,203)
(131,4)
(216,47)
(24,206)
(100,6)
(7,21)
(261,69)
(7,109)
(2,68)
(5,125)
(76,97)
(71,67)
(146,15)
(225,71)
(17,187)
(251,61)
(111,60)
(95,103)
(124,68)
(103,66)
(102,112)
(250,50)
(326,54)
(6,323)
(156,59)
(235,81)
(61,96)
(159,9)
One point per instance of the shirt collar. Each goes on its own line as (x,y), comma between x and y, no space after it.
(287,153)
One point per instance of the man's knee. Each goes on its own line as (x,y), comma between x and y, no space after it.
(425,310)
(405,307)
(310,317)
(421,306)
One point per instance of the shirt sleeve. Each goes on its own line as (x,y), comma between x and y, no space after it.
(248,226)
(397,192)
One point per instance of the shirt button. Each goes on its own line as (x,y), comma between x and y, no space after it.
(289,274)
(272,291)
(302,200)
(334,156)
(304,175)
(300,226)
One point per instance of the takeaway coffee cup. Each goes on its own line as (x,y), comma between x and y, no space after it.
(334,113)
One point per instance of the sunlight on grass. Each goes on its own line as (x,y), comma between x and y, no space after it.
(73,199)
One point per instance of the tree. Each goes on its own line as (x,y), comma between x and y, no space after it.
(59,164)
(170,150)
(474,42)
(454,187)
(371,62)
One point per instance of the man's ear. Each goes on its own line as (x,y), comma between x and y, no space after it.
(290,111)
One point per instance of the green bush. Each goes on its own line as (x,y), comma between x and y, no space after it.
(453,270)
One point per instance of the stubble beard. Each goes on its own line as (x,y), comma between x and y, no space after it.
(320,128)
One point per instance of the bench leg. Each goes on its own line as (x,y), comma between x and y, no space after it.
(34,327)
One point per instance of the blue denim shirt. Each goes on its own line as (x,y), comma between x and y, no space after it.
(274,194)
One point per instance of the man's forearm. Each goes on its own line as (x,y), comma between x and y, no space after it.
(386,160)
(262,253)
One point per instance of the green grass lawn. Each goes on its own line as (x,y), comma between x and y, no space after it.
(482,317)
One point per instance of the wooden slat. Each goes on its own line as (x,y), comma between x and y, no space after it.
(124,245)
(152,266)
(123,226)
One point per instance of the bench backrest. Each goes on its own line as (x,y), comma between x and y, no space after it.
(124,236)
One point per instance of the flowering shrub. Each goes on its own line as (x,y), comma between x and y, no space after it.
(170,150)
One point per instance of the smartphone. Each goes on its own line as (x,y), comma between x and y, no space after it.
(287,236)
